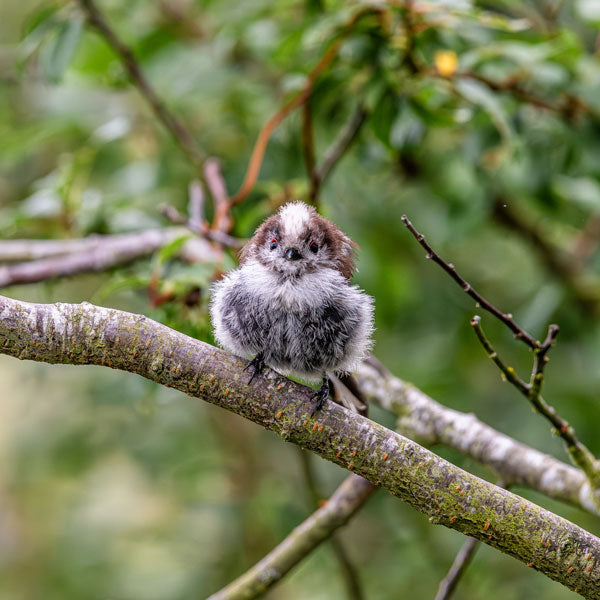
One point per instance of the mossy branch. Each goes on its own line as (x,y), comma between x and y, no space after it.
(423,419)
(84,334)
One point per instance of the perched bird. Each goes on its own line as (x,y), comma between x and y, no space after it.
(290,303)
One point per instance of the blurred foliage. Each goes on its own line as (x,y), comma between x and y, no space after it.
(113,488)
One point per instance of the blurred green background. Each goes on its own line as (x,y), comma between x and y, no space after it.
(114,488)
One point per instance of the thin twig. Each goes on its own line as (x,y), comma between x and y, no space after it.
(260,146)
(506,318)
(204,231)
(337,149)
(180,134)
(508,372)
(218,190)
(461,562)
(580,454)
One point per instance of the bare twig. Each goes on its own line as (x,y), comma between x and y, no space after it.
(337,149)
(343,504)
(92,254)
(580,454)
(506,318)
(461,562)
(203,230)
(86,334)
(347,569)
(180,134)
(508,372)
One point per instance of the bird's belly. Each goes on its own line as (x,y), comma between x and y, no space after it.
(305,344)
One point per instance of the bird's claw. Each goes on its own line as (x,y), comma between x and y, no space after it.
(322,394)
(257,364)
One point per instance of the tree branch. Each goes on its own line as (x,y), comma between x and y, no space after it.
(579,453)
(345,501)
(60,258)
(423,419)
(85,334)
(506,318)
(180,134)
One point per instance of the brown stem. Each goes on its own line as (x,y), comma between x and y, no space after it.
(265,133)
(506,318)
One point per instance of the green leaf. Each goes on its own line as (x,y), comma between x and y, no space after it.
(169,250)
(57,52)
(384,114)
(479,94)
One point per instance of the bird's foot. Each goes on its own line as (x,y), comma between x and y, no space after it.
(322,394)
(257,364)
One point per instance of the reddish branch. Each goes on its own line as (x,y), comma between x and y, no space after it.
(260,145)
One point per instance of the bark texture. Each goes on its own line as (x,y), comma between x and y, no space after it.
(86,334)
(423,419)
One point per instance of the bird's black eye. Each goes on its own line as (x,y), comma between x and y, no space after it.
(273,244)
(313,247)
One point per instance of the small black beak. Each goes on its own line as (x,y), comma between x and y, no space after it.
(293,254)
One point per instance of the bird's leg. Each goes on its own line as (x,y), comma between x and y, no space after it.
(257,364)
(321,395)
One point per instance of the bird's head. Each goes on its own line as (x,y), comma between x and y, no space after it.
(297,240)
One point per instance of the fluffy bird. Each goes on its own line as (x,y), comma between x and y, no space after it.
(290,304)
